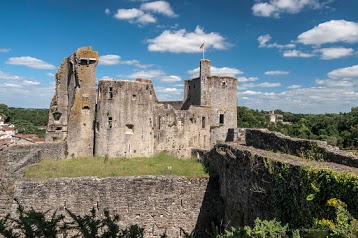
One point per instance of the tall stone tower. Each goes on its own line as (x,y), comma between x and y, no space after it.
(220,94)
(72,110)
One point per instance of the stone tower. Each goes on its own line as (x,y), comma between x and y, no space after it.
(72,110)
(220,94)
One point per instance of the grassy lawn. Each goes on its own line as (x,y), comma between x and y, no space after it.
(162,164)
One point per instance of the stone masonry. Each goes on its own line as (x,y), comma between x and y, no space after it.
(125,118)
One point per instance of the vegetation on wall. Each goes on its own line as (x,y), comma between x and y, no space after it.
(337,129)
(26,120)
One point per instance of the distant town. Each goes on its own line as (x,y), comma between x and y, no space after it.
(9,136)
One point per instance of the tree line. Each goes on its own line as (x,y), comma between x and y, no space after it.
(26,120)
(337,129)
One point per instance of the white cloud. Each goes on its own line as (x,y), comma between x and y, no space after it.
(30,62)
(335,52)
(116,59)
(224,71)
(249,92)
(274,8)
(150,74)
(260,85)
(348,72)
(155,74)
(8,76)
(161,7)
(29,82)
(331,32)
(51,74)
(181,41)
(107,11)
(339,93)
(169,94)
(170,78)
(134,15)
(294,86)
(109,60)
(264,39)
(276,72)
(25,94)
(246,79)
(4,50)
(296,53)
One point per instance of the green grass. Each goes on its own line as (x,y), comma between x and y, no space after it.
(162,164)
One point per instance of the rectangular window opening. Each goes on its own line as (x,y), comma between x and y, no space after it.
(109,122)
(203,119)
(110,93)
(221,119)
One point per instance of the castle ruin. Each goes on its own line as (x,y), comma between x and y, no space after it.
(125,118)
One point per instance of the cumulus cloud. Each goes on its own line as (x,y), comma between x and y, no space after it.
(25,91)
(169,94)
(50,74)
(276,72)
(134,15)
(8,76)
(246,79)
(264,39)
(30,62)
(116,59)
(161,7)
(170,78)
(296,53)
(294,86)
(181,41)
(348,72)
(334,52)
(338,93)
(331,32)
(107,11)
(4,50)
(224,71)
(275,8)
(143,14)
(261,85)
(155,75)
(30,82)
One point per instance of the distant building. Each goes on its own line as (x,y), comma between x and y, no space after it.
(275,117)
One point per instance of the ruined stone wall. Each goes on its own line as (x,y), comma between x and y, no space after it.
(192,93)
(178,131)
(15,158)
(58,115)
(315,150)
(153,202)
(125,119)
(72,108)
(256,183)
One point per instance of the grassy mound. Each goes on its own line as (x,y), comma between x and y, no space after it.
(162,164)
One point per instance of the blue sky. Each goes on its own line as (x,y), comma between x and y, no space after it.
(295,55)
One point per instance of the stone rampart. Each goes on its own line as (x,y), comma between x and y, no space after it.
(156,203)
(257,183)
(310,149)
(15,158)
